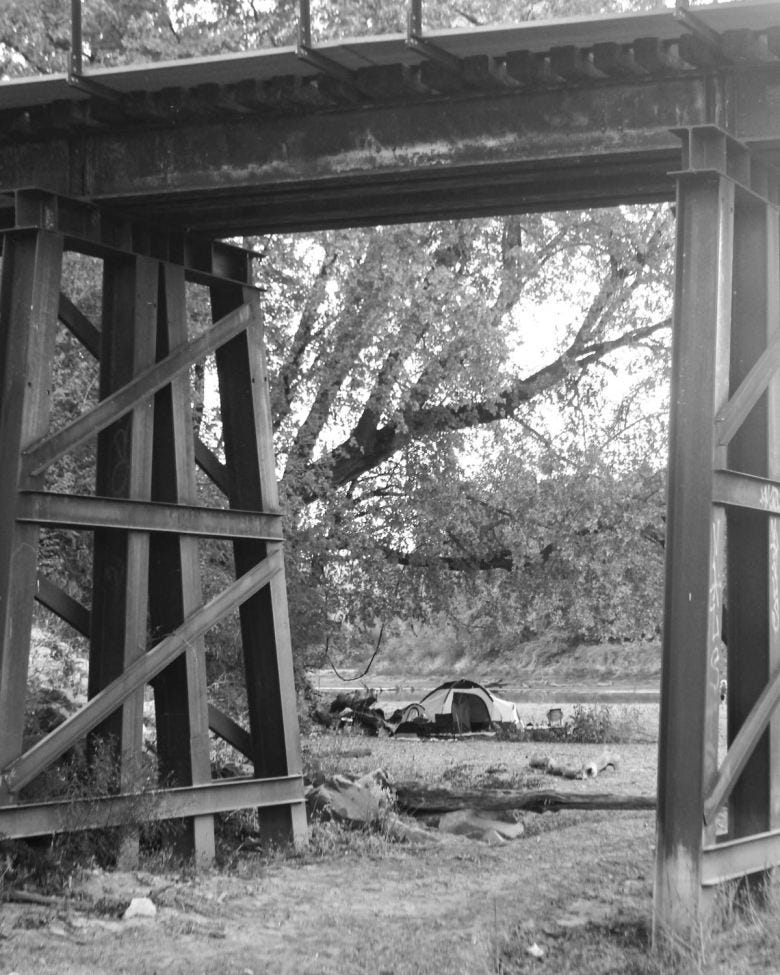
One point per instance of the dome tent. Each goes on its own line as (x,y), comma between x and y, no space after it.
(464,705)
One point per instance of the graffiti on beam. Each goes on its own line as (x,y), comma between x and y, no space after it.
(770,499)
(716,597)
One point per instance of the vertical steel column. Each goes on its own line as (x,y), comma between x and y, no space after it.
(248,435)
(180,691)
(752,639)
(772,262)
(124,470)
(76,58)
(29,298)
(687,748)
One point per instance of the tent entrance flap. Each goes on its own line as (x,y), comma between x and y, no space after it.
(469,713)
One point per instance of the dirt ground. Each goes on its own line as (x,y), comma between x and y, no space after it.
(447,908)
(355,905)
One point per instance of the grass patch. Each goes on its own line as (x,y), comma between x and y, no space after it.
(740,937)
(602,724)
(622,946)
(49,863)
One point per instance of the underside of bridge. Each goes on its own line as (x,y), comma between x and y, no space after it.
(148,168)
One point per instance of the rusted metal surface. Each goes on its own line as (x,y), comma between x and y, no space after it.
(741,747)
(62,604)
(29,292)
(230,731)
(699,385)
(723,474)
(749,628)
(448,123)
(84,512)
(419,126)
(536,37)
(107,234)
(181,690)
(249,457)
(736,858)
(142,670)
(144,515)
(535,150)
(116,405)
(772,655)
(224,795)
(123,471)
(746,491)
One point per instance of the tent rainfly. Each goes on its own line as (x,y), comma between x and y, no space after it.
(467,706)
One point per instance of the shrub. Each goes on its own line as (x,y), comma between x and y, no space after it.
(592,725)
(81,781)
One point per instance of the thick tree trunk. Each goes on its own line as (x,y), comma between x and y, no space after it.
(422,800)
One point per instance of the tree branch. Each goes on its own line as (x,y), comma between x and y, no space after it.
(304,333)
(359,454)
(456,563)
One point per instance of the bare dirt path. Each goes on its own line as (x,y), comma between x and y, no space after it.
(445,908)
(453,905)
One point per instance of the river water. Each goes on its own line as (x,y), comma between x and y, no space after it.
(409,688)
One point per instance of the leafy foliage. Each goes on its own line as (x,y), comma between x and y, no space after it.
(35,34)
(450,405)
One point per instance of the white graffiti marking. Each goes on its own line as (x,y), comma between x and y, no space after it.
(770,497)
(715,601)
(774,581)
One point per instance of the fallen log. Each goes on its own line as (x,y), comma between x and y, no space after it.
(421,800)
(80,902)
(17,896)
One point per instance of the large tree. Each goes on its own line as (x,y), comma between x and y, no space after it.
(476,403)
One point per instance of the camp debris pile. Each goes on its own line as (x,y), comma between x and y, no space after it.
(492,815)
(457,707)
(587,770)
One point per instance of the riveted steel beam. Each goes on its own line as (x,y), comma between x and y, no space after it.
(462,155)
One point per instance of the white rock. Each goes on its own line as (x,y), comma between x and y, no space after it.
(140,907)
